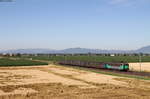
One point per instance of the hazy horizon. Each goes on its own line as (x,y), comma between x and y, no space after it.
(71,48)
(61,24)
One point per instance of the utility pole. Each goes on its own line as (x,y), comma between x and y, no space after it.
(65,58)
(140,60)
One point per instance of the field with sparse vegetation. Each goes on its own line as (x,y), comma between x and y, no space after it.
(59,82)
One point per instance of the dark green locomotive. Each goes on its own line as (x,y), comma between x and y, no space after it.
(119,66)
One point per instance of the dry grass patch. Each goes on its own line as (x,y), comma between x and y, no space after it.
(60,91)
(145,66)
(29,76)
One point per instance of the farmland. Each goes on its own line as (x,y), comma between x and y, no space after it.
(46,58)
(19,62)
(91,58)
(59,82)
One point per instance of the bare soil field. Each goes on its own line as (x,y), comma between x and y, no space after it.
(59,82)
(145,66)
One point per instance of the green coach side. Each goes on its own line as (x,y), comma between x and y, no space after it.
(122,67)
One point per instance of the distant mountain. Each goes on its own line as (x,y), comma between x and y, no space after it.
(76,50)
(145,49)
(29,51)
(85,50)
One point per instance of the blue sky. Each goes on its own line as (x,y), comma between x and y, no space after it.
(60,24)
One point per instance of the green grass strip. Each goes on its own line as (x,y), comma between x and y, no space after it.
(5,62)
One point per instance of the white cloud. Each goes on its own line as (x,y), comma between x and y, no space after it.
(117,1)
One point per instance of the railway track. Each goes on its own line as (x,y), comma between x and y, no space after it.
(135,73)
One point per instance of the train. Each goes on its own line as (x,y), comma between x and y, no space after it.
(121,66)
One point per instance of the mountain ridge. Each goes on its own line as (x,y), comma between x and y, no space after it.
(145,49)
